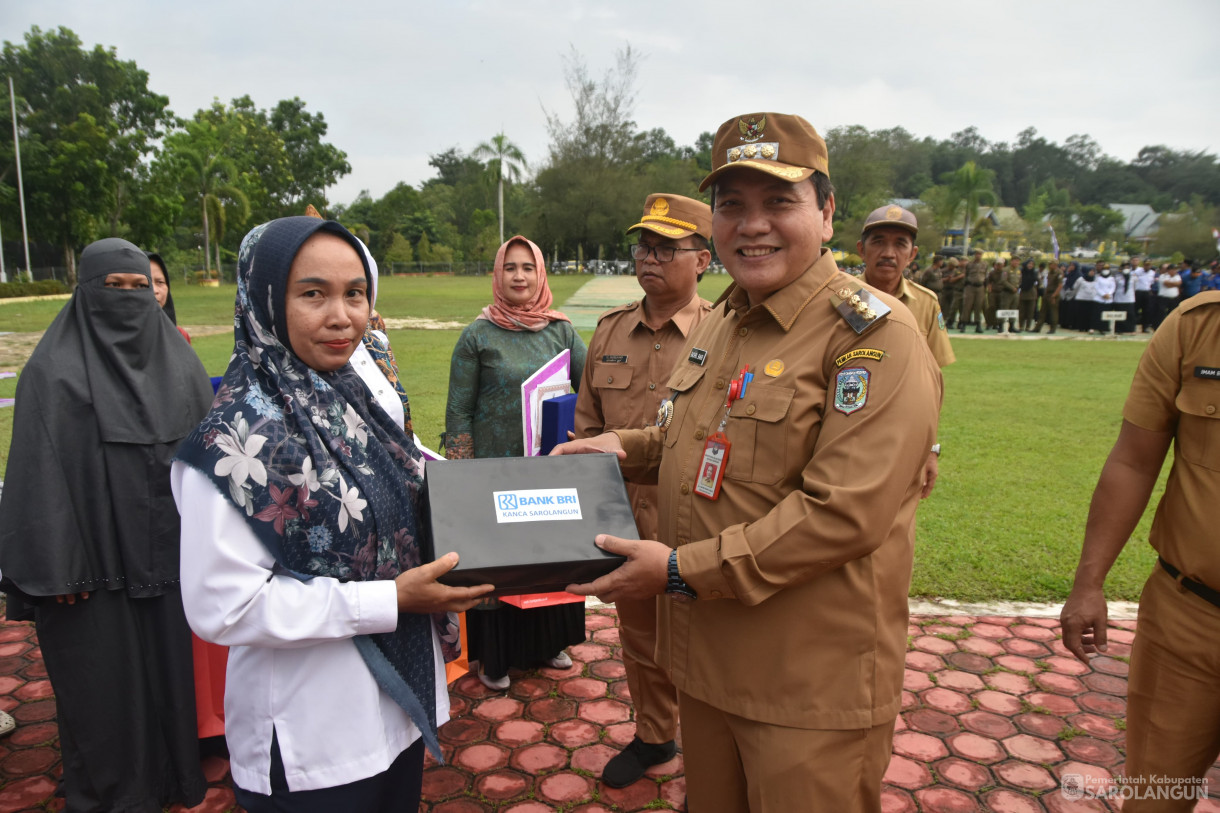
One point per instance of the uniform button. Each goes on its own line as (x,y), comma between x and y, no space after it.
(656,347)
(719,383)
(610,379)
(743,331)
(750,409)
(684,488)
(715,594)
(698,434)
(652,386)
(643,503)
(1211,409)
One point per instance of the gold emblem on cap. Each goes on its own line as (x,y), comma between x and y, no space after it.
(774,367)
(893,213)
(660,207)
(751,130)
(750,151)
(734,154)
(767,150)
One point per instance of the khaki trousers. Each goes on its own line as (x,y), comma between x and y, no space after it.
(1173,700)
(735,765)
(655,699)
(972,305)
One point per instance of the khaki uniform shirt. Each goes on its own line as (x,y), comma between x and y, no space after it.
(930,278)
(925,307)
(1053,280)
(976,273)
(624,382)
(1177,389)
(803,563)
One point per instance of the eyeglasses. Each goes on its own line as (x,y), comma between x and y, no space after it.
(664,254)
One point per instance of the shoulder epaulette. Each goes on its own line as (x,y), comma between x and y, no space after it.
(858,306)
(1200,299)
(626,306)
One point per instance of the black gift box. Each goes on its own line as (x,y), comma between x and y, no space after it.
(513,520)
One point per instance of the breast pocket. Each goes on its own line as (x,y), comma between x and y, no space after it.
(1199,426)
(758,432)
(681,382)
(612,383)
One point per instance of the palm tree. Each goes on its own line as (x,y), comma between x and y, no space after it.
(503,157)
(971,186)
(212,179)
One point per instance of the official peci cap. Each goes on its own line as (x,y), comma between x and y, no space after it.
(891,215)
(776,143)
(675,216)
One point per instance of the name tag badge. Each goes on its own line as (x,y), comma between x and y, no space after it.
(614,359)
(1208,372)
(697,356)
(711,468)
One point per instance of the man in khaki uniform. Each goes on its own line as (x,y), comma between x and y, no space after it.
(975,295)
(1173,708)
(951,296)
(1008,291)
(631,355)
(1050,299)
(787,509)
(933,278)
(887,242)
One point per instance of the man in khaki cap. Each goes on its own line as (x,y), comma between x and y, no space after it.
(887,245)
(630,358)
(1173,708)
(789,458)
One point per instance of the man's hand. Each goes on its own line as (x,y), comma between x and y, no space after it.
(1084,619)
(605,442)
(420,592)
(70,598)
(642,576)
(931,469)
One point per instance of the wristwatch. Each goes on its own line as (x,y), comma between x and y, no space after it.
(936,449)
(677,589)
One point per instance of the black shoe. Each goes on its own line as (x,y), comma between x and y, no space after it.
(976,330)
(630,763)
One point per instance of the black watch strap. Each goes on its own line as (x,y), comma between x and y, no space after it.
(674,585)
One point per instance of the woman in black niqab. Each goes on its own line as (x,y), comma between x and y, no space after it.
(89,535)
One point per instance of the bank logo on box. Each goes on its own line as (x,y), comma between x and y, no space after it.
(536,505)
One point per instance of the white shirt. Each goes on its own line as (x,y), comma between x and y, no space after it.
(1086,289)
(1124,291)
(1143,278)
(1169,292)
(1103,288)
(293,666)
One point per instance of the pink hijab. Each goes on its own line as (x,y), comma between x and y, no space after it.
(537,313)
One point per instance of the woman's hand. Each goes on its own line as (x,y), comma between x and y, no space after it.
(420,592)
(71,598)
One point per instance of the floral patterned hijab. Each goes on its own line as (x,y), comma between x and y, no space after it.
(537,313)
(329,484)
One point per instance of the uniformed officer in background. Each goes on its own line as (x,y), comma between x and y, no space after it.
(631,355)
(790,459)
(975,295)
(1173,706)
(951,297)
(887,243)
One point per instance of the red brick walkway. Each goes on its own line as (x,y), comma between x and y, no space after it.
(995,713)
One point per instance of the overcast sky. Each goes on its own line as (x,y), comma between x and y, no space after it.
(398,81)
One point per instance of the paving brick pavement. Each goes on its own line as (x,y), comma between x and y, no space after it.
(995,713)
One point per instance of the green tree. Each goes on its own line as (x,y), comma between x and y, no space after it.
(88,121)
(210,178)
(400,250)
(861,170)
(968,187)
(1188,230)
(313,165)
(503,158)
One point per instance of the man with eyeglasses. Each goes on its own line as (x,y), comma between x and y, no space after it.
(630,358)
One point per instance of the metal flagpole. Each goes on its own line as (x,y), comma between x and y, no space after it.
(12,98)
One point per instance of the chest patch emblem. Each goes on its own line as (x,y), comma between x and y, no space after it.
(851,389)
(697,356)
(774,367)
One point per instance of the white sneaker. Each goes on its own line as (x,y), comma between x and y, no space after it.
(561,661)
(495,685)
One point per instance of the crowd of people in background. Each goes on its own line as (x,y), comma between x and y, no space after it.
(1054,294)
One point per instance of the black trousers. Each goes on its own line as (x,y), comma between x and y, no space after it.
(395,790)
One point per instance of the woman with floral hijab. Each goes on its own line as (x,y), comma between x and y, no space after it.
(513,336)
(300,501)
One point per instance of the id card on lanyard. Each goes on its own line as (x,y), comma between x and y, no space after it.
(716,449)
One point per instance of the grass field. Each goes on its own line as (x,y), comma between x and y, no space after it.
(1025,428)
